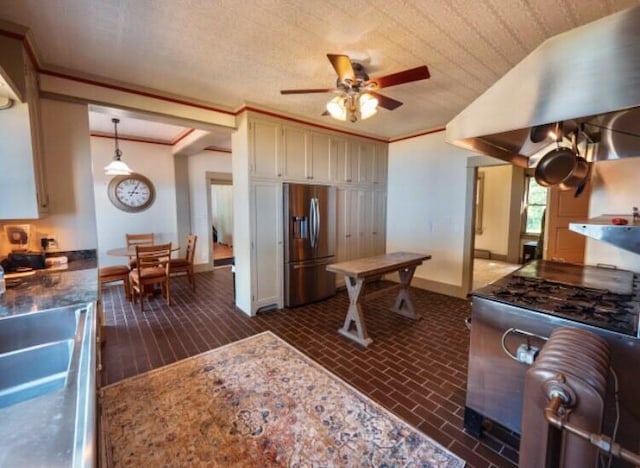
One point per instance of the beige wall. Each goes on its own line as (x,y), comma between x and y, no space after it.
(426,204)
(71,219)
(495,210)
(154,162)
(614,191)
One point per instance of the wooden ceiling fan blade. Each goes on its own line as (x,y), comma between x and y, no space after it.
(305,91)
(386,102)
(406,76)
(342,65)
(325,113)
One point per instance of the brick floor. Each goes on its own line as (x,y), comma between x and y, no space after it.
(415,369)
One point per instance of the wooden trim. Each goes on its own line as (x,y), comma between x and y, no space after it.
(182,136)
(219,150)
(136,139)
(416,135)
(133,91)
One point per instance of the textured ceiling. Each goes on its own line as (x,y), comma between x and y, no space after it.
(230,52)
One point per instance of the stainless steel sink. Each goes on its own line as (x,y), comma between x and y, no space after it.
(24,331)
(36,351)
(31,372)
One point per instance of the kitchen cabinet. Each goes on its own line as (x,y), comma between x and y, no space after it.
(264,149)
(319,161)
(266,245)
(379,228)
(345,160)
(22,179)
(366,156)
(365,223)
(294,147)
(306,155)
(346,228)
(380,163)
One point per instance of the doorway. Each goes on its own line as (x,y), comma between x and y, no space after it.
(221,218)
(492,221)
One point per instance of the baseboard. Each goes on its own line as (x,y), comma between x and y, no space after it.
(433,286)
(200,267)
(488,255)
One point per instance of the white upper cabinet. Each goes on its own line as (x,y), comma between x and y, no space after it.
(366,156)
(294,146)
(264,147)
(298,154)
(380,164)
(22,179)
(319,160)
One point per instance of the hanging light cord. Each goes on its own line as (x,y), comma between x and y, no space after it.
(115,126)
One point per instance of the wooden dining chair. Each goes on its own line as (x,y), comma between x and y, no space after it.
(138,239)
(153,266)
(182,266)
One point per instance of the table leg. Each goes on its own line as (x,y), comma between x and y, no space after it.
(403,304)
(355,314)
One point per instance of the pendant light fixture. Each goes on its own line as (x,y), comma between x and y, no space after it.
(117,167)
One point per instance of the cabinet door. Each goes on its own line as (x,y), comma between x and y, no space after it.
(266,243)
(366,155)
(339,158)
(379,222)
(365,223)
(319,158)
(380,165)
(264,147)
(295,153)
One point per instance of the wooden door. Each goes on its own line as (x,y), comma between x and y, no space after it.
(563,245)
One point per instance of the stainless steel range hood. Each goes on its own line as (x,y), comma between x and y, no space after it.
(587,78)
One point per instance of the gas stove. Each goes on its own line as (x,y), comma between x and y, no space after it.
(575,295)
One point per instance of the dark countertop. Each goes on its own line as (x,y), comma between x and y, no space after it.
(76,283)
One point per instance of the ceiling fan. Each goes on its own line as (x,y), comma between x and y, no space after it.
(357,93)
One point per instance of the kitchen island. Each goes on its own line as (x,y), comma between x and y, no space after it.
(356,272)
(48,367)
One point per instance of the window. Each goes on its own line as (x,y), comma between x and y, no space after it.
(535,199)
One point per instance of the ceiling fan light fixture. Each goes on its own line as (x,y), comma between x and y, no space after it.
(368,105)
(117,166)
(337,109)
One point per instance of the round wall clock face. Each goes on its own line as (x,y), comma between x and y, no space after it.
(131,193)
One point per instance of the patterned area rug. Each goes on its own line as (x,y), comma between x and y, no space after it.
(255,402)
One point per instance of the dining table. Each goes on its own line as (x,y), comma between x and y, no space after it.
(130,251)
(356,272)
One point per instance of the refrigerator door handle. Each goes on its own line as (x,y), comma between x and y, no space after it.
(312,222)
(317,203)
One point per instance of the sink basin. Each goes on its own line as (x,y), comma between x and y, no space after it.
(31,372)
(36,350)
(24,331)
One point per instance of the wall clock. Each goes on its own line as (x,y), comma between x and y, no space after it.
(131,193)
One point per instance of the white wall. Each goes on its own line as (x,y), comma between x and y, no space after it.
(614,191)
(222,212)
(155,162)
(426,204)
(495,209)
(71,219)
(199,196)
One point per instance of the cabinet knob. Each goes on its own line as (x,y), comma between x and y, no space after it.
(348,235)
(348,180)
(279,174)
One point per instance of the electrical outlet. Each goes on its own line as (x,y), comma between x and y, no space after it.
(527,354)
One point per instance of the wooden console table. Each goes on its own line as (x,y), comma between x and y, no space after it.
(357,271)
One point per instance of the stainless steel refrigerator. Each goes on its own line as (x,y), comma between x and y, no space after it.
(310,242)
